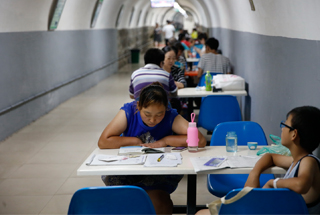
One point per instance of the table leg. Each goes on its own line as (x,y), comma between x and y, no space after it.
(191,194)
(190,106)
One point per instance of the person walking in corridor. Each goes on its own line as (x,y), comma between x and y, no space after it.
(168,31)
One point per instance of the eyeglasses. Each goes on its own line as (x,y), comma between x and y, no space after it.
(282,125)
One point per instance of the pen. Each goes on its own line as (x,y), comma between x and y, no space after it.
(160,158)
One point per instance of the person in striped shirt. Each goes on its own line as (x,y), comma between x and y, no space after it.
(212,61)
(152,72)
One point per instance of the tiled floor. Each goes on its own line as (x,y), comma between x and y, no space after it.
(38,164)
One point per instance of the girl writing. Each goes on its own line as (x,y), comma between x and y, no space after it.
(148,122)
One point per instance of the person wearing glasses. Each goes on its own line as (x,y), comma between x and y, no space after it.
(300,134)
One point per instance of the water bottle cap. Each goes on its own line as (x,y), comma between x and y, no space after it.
(231,133)
(192,124)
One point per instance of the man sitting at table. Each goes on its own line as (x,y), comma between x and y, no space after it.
(212,61)
(152,72)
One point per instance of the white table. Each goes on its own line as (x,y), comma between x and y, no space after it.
(192,60)
(191,92)
(185,168)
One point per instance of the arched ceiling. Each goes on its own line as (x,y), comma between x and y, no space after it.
(159,15)
(287,18)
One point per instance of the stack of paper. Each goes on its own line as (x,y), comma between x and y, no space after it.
(242,161)
(125,150)
(103,160)
(228,162)
(169,160)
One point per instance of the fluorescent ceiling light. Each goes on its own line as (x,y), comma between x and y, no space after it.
(177,7)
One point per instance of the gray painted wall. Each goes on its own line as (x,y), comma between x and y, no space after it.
(35,62)
(281,73)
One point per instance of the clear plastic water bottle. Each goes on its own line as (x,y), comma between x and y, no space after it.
(231,141)
(208,81)
(194,53)
(192,135)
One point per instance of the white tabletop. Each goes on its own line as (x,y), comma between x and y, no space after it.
(190,60)
(192,92)
(185,168)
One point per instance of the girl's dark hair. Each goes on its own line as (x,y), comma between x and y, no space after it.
(169,48)
(306,120)
(153,94)
(202,36)
(179,46)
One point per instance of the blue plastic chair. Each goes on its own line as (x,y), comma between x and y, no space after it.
(217,109)
(220,184)
(111,200)
(266,201)
(202,81)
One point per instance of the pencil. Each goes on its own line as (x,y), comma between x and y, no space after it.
(160,158)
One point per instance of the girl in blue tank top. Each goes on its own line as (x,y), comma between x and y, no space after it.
(148,122)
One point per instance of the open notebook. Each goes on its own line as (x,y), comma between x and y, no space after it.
(211,163)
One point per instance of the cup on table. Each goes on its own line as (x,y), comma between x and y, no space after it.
(252,145)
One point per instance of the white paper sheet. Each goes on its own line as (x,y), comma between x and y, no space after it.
(242,161)
(102,160)
(167,161)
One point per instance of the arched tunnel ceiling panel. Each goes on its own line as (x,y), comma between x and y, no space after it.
(138,6)
(17,15)
(143,17)
(109,13)
(193,14)
(214,13)
(159,12)
(164,17)
(287,18)
(197,9)
(169,16)
(76,15)
(124,21)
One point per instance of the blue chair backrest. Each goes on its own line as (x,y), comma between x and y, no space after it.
(202,81)
(266,201)
(111,200)
(246,131)
(217,109)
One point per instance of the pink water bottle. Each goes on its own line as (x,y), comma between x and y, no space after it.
(192,135)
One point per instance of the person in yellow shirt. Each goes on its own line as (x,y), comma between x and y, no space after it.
(194,34)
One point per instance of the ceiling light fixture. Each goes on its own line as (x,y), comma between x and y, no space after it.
(182,11)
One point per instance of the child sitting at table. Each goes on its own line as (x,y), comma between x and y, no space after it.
(148,122)
(300,134)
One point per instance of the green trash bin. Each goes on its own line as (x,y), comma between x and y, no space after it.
(135,55)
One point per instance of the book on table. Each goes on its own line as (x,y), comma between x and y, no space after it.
(125,150)
(221,162)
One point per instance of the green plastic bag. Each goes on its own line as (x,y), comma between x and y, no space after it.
(278,148)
